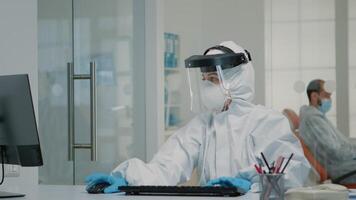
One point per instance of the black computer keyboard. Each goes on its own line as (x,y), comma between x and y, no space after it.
(180,191)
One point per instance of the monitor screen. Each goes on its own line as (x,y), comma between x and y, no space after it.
(18,129)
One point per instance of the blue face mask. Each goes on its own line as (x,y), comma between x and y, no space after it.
(325,105)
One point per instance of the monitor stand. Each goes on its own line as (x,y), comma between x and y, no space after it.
(2,193)
(10,194)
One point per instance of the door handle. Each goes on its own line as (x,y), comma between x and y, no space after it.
(93,136)
(72,145)
(70,73)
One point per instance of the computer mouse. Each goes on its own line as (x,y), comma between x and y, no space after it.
(97,188)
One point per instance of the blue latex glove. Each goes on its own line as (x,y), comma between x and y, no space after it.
(243,184)
(114,182)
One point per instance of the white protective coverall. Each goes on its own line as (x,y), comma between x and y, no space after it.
(224,144)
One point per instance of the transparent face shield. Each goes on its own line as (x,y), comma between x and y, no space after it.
(207,91)
(208,88)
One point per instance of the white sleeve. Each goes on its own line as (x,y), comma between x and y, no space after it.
(173,163)
(274,138)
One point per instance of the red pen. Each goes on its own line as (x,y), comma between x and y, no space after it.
(258,169)
(280,165)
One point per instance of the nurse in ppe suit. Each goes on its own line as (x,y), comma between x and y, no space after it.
(224,140)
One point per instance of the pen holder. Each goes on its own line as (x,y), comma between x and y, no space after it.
(272,186)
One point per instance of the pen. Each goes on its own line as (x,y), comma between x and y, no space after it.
(263,157)
(258,169)
(290,157)
(278,164)
(282,160)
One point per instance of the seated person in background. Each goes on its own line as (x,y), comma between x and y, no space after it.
(222,143)
(330,147)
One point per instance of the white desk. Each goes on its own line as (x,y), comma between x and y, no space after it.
(64,192)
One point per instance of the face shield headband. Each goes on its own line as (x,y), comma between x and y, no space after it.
(208,63)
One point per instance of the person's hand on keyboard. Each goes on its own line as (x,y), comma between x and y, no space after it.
(243,184)
(98,178)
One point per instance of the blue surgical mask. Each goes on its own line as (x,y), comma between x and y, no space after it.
(325,105)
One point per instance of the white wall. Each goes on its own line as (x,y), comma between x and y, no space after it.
(18,55)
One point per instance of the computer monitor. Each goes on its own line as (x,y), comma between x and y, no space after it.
(19,142)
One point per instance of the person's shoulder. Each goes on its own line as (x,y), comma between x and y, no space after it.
(308,113)
(263,114)
(272,122)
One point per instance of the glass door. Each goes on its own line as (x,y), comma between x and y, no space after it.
(104,34)
(92,113)
(54,50)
